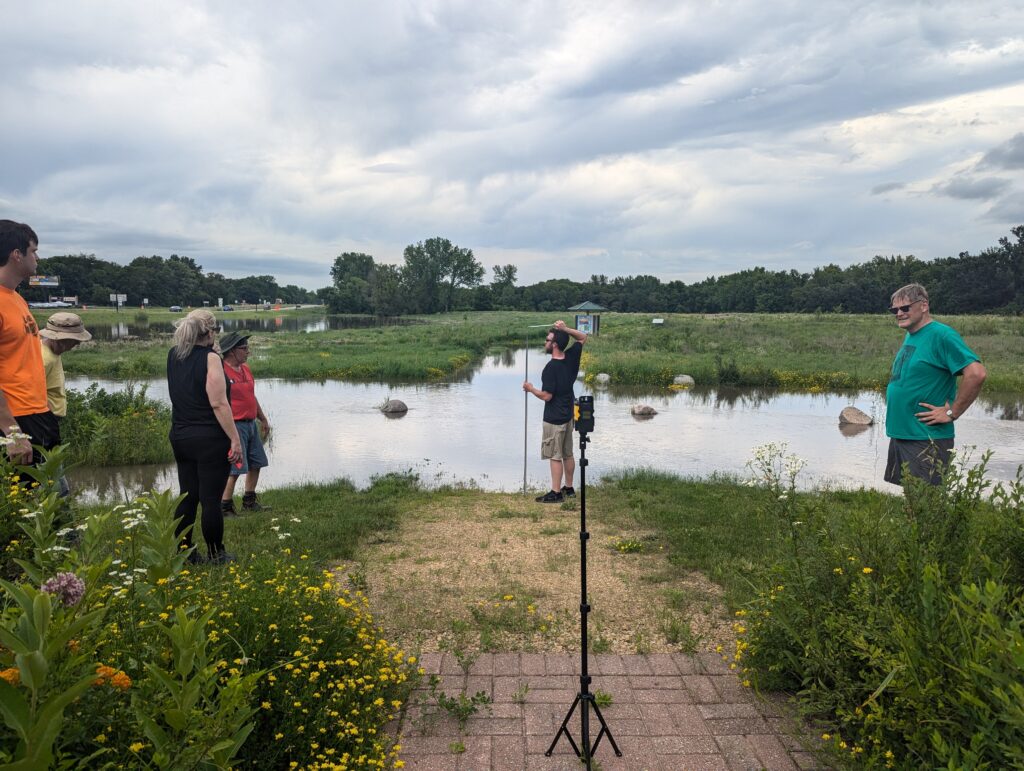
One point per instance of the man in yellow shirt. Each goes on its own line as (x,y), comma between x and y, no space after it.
(63,331)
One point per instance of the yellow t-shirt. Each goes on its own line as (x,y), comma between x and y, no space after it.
(56,396)
(21,361)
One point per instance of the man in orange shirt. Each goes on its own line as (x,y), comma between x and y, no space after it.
(25,417)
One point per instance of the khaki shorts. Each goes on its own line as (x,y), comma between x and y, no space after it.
(556,441)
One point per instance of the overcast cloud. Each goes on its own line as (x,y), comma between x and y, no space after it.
(679,139)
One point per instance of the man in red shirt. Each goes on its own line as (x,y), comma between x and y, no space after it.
(246,410)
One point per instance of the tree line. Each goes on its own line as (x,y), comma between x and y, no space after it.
(437,276)
(175,280)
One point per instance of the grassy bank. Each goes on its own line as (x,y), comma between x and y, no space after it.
(791,351)
(896,620)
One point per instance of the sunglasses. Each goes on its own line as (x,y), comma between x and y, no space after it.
(903,308)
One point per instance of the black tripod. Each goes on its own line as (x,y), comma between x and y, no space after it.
(584,699)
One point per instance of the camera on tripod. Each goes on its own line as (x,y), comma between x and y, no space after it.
(584,414)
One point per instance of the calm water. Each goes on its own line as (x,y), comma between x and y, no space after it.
(132,327)
(473,432)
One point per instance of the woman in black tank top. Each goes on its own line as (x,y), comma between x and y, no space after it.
(203,433)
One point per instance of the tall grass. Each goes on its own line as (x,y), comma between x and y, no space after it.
(116,428)
(791,351)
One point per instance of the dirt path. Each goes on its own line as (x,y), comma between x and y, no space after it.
(478,571)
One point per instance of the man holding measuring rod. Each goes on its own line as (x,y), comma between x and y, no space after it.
(556,392)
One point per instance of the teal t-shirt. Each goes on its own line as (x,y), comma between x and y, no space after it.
(924,370)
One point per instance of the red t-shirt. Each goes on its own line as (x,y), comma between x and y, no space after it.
(243,392)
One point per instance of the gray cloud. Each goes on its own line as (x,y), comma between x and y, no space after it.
(887,187)
(672,138)
(1009,210)
(1008,155)
(969,188)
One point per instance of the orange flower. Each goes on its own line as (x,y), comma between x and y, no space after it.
(11,675)
(103,673)
(73,646)
(122,681)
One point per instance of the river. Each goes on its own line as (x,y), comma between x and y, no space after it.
(472,432)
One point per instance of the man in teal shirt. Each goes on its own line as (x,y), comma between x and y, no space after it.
(922,399)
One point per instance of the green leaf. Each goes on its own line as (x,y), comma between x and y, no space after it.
(176,719)
(33,667)
(15,709)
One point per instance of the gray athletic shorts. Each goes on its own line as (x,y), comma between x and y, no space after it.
(924,459)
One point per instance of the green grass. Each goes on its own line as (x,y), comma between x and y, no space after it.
(790,351)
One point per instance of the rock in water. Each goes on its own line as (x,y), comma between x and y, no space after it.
(643,410)
(392,406)
(853,416)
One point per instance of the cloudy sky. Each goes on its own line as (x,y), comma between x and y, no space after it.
(680,139)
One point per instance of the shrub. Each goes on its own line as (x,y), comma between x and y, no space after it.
(115,428)
(114,654)
(895,624)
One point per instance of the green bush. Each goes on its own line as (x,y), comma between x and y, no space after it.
(116,428)
(114,655)
(896,624)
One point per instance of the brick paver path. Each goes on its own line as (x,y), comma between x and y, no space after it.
(670,712)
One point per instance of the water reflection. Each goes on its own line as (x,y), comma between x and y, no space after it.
(473,431)
(140,327)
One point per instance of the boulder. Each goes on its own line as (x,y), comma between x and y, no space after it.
(603,378)
(643,411)
(394,406)
(684,380)
(853,416)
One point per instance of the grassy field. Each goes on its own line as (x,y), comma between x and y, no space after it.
(789,351)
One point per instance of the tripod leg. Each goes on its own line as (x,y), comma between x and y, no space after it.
(564,730)
(605,731)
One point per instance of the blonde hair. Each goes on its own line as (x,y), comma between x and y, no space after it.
(190,329)
(911,293)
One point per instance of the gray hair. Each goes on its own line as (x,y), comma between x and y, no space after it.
(911,293)
(190,329)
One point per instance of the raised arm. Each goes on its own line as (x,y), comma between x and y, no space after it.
(575,334)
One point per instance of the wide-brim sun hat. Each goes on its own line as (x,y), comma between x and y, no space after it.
(65,326)
(233,339)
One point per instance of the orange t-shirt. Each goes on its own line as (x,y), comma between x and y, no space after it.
(22,378)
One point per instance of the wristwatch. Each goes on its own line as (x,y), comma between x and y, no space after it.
(949,414)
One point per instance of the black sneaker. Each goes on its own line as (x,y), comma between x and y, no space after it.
(251,503)
(550,497)
(568,492)
(227,508)
(196,558)
(221,558)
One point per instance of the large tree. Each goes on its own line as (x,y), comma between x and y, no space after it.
(351,274)
(432,271)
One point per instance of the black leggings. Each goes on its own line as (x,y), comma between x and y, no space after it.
(203,468)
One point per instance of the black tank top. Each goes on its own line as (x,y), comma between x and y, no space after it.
(192,417)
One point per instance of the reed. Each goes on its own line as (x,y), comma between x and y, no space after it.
(789,351)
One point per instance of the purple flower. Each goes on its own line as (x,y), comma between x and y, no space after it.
(66,587)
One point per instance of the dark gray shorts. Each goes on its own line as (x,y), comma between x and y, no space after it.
(924,459)
(253,454)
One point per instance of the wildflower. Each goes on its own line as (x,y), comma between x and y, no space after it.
(11,675)
(66,587)
(100,738)
(837,571)
(865,571)
(121,681)
(136,746)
